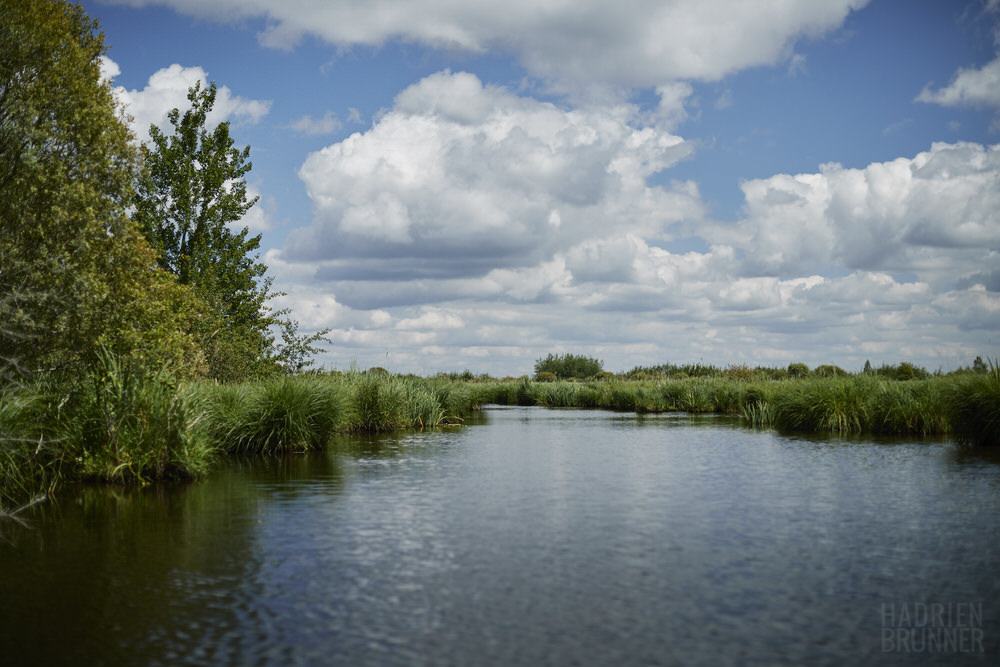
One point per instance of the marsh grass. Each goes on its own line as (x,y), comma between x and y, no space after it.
(283,414)
(974,407)
(30,460)
(829,404)
(126,421)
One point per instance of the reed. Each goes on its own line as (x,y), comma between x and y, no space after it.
(29,458)
(974,407)
(283,414)
(129,422)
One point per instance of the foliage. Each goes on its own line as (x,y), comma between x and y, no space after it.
(294,353)
(974,405)
(978,365)
(569,366)
(29,459)
(829,371)
(74,273)
(282,414)
(798,370)
(130,421)
(190,194)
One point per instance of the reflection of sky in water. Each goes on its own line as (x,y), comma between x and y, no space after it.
(552,536)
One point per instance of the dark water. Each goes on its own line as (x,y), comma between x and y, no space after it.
(534,538)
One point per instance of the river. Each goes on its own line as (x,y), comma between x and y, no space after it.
(527,537)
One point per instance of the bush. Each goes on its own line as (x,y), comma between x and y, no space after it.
(569,365)
(798,370)
(829,371)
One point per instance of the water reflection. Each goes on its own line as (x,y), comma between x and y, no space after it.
(536,537)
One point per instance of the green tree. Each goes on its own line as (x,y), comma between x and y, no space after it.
(295,351)
(798,370)
(74,272)
(190,195)
(569,366)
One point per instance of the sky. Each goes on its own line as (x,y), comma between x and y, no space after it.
(450,185)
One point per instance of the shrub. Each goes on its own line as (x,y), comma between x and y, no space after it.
(569,365)
(798,370)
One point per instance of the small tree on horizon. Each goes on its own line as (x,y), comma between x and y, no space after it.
(569,366)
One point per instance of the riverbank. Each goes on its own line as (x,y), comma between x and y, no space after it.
(127,423)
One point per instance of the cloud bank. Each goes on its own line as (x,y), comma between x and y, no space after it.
(474,226)
(632,43)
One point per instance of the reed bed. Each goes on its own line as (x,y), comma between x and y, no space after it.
(967,405)
(123,421)
(974,404)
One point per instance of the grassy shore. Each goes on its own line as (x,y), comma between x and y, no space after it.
(128,423)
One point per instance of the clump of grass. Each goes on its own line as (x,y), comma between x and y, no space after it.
(974,407)
(127,422)
(30,460)
(830,405)
(896,407)
(378,403)
(284,414)
(423,410)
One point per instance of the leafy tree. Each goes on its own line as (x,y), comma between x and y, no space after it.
(192,191)
(74,272)
(798,370)
(294,353)
(569,366)
(829,371)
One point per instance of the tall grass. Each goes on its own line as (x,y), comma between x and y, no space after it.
(974,404)
(283,414)
(29,459)
(126,421)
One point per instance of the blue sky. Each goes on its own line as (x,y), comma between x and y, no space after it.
(452,185)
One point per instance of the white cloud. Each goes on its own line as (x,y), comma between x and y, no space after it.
(641,43)
(459,179)
(109,69)
(935,215)
(973,87)
(328,124)
(167,89)
(797,65)
(260,216)
(894,261)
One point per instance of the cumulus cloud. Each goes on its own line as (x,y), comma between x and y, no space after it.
(459,179)
(894,261)
(935,215)
(973,87)
(328,124)
(641,43)
(167,89)
(260,216)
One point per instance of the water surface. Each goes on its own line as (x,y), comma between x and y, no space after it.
(534,537)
